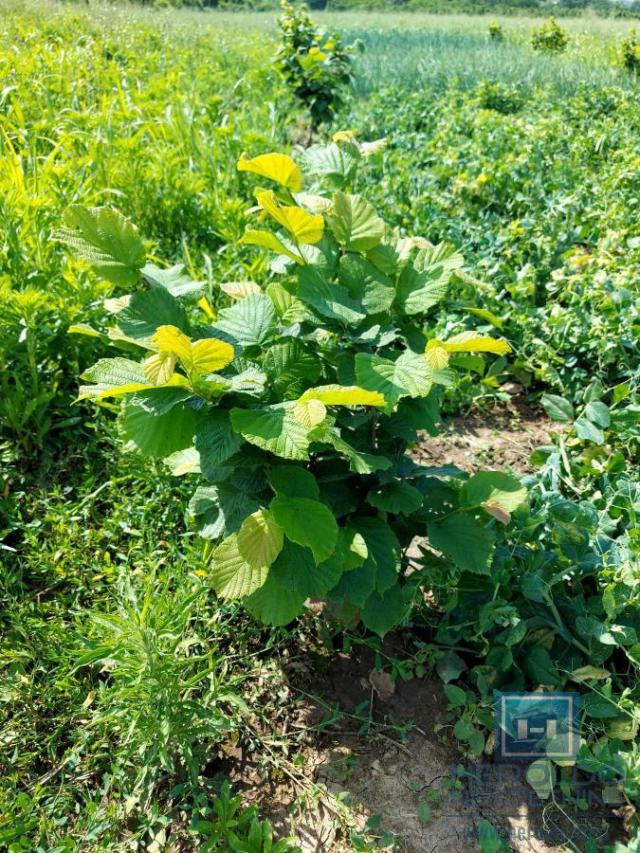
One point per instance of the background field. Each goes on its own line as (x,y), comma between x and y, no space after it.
(125,685)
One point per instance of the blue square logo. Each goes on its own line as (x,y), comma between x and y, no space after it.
(537,725)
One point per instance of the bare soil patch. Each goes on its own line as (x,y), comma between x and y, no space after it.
(503,437)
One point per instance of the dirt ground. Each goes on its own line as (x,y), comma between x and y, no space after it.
(503,438)
(406,789)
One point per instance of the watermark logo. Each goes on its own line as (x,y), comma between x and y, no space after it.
(537,725)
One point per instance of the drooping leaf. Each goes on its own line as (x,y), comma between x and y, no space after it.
(328,299)
(340,395)
(304,227)
(268,240)
(107,241)
(274,603)
(276,167)
(366,284)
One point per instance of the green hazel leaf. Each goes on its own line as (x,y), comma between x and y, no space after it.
(296,569)
(330,300)
(335,163)
(249,322)
(260,539)
(293,482)
(418,291)
(147,311)
(274,429)
(216,440)
(558,408)
(464,729)
(158,435)
(372,289)
(307,522)
(183,462)
(274,603)
(288,364)
(160,400)
(407,376)
(220,510)
(395,497)
(383,551)
(231,575)
(385,258)
(381,613)
(107,241)
(464,539)
(499,493)
(174,280)
(111,372)
(355,586)
(355,223)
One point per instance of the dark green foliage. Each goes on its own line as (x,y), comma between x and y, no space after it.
(313,62)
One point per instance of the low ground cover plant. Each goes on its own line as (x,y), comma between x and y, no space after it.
(296,403)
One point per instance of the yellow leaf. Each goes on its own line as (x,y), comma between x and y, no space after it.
(436,355)
(343,395)
(240,289)
(203,303)
(158,368)
(276,167)
(304,227)
(97,392)
(472,342)
(208,355)
(309,413)
(169,339)
(345,136)
(267,240)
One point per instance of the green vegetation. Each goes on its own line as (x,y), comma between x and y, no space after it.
(145,617)
(313,62)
